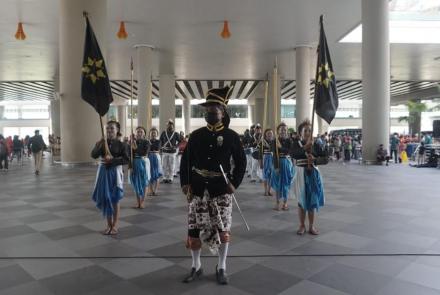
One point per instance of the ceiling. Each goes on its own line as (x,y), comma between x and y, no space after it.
(186,35)
(197,89)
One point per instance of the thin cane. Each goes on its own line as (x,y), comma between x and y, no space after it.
(235,200)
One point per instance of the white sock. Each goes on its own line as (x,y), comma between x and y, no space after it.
(196,263)
(222,254)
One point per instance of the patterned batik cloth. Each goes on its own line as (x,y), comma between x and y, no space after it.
(211,216)
(267,166)
(281,178)
(155,166)
(139,176)
(308,189)
(108,189)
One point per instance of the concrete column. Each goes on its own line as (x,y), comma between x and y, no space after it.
(273,112)
(55,117)
(302,70)
(186,113)
(375,77)
(20,112)
(167,99)
(144,68)
(257,102)
(80,127)
(122,119)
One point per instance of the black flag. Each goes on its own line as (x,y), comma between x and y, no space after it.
(326,95)
(95,84)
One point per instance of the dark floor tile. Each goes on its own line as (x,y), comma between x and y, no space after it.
(13,275)
(15,231)
(67,232)
(259,279)
(167,281)
(351,280)
(80,281)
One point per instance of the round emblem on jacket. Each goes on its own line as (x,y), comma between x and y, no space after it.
(219,140)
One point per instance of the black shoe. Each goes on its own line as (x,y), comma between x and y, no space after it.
(193,275)
(222,278)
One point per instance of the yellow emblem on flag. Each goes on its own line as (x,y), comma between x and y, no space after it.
(93,69)
(325,75)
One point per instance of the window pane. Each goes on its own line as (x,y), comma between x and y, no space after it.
(288,111)
(178,111)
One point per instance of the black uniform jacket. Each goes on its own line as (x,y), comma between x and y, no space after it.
(169,144)
(206,150)
(266,146)
(119,151)
(143,147)
(154,145)
(298,152)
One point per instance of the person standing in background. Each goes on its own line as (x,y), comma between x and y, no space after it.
(394,147)
(37,146)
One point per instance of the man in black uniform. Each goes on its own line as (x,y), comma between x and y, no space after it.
(209,197)
(169,140)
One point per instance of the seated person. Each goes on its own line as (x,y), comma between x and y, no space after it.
(382,155)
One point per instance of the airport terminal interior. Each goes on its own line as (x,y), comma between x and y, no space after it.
(219,147)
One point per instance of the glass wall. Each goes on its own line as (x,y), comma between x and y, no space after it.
(14,112)
(288,111)
(23,131)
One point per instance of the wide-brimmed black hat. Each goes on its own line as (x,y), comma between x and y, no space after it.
(218,96)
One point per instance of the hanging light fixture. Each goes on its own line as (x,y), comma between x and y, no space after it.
(225,34)
(20,35)
(122,33)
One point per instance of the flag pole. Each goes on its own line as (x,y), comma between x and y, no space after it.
(309,166)
(316,81)
(275,96)
(131,111)
(266,94)
(106,148)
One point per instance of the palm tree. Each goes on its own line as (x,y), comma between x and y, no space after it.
(414,118)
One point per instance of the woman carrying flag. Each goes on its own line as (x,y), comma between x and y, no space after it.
(308,186)
(109,179)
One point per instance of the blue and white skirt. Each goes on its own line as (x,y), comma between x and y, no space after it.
(267,167)
(281,178)
(155,166)
(140,175)
(108,189)
(308,189)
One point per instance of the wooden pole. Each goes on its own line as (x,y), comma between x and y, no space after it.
(266,94)
(107,149)
(131,111)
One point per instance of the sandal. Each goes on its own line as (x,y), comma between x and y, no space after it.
(113,231)
(301,231)
(107,231)
(285,208)
(313,231)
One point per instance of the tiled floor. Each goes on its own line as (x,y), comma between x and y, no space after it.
(50,241)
